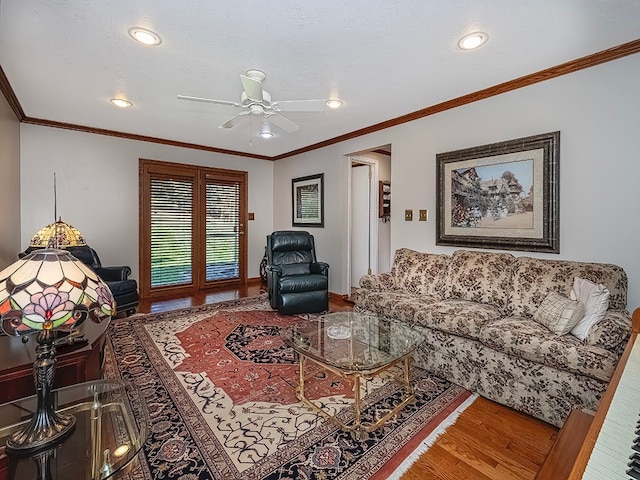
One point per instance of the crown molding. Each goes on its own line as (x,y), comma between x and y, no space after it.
(9,94)
(572,66)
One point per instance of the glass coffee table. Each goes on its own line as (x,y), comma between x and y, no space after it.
(111,426)
(355,346)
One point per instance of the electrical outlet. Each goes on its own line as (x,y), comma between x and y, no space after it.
(408,215)
(424,215)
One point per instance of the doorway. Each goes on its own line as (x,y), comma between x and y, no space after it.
(369,230)
(192,228)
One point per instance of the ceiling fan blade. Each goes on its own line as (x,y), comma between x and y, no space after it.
(282,122)
(235,120)
(208,100)
(253,88)
(300,105)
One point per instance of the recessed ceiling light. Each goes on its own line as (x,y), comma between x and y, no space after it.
(144,36)
(334,103)
(473,40)
(121,102)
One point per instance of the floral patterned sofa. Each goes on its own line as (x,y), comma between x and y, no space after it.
(476,309)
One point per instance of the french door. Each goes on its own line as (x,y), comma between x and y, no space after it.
(192,228)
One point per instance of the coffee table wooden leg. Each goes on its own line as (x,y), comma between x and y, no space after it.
(301,379)
(357,429)
(356,401)
(407,381)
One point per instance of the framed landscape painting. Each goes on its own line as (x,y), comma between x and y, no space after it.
(308,201)
(503,195)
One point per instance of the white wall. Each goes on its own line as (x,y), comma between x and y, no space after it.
(9,184)
(596,111)
(97,185)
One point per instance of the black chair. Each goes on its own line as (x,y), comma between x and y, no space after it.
(124,289)
(297,282)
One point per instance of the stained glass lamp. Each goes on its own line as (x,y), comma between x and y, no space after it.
(46,292)
(57,235)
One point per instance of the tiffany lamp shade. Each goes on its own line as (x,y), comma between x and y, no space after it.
(57,235)
(46,292)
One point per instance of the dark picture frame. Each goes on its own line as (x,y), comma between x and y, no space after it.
(503,195)
(307,201)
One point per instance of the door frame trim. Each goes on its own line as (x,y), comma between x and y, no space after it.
(197,172)
(373,214)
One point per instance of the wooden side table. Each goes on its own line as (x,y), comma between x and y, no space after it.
(75,363)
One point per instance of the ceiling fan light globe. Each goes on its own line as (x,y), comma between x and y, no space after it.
(334,103)
(265,134)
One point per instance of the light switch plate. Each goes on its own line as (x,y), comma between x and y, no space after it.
(424,215)
(408,215)
(252,216)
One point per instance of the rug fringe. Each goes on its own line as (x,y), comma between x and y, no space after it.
(431,439)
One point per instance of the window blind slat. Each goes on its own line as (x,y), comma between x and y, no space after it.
(171,232)
(222,231)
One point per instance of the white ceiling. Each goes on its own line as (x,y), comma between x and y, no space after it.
(65,59)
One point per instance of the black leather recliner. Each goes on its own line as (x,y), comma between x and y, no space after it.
(297,282)
(123,289)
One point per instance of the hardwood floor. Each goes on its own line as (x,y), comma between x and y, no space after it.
(488,441)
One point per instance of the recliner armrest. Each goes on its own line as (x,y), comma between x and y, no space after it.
(274,269)
(319,267)
(113,274)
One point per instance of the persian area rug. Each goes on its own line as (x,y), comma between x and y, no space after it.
(220,387)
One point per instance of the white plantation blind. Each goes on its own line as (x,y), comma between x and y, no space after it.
(222,230)
(171,232)
(192,222)
(308,201)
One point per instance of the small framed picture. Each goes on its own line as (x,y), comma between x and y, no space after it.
(308,201)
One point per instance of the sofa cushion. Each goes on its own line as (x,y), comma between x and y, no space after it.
(391,303)
(533,278)
(559,313)
(595,298)
(481,277)
(419,273)
(459,317)
(523,337)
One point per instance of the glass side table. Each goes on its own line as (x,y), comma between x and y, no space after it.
(112,423)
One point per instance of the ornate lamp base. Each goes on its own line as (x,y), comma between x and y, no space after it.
(46,427)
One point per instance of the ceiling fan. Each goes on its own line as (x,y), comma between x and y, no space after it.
(256,101)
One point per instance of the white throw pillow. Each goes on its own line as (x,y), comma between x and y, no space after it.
(558,313)
(596,301)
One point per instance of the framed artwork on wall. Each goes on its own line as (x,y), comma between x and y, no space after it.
(384,200)
(307,195)
(504,195)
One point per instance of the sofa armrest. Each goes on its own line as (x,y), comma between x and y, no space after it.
(378,281)
(611,332)
(113,274)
